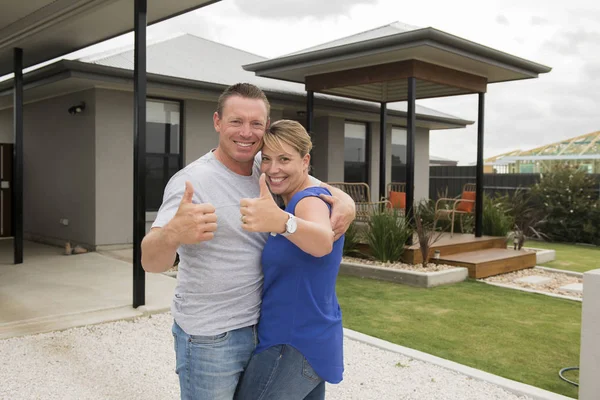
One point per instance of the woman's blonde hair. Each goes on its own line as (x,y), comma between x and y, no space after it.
(289,132)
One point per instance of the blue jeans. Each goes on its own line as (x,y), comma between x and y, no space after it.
(209,367)
(280,372)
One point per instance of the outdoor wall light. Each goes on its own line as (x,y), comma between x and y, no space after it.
(77,108)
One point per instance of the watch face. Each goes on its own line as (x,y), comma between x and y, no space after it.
(290,225)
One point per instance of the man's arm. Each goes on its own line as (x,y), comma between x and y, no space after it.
(191,224)
(343,209)
(159,250)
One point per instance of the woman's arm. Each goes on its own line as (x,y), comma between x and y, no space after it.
(313,233)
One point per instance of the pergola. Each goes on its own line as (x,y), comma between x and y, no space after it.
(416,64)
(35,31)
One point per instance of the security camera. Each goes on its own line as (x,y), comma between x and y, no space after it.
(77,109)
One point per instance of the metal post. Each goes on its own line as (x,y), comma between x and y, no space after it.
(139,151)
(479,175)
(310,105)
(382,149)
(17,189)
(410,146)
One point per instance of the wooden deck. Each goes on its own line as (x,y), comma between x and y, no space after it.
(484,256)
(490,262)
(458,243)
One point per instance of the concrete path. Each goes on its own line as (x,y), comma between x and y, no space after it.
(51,291)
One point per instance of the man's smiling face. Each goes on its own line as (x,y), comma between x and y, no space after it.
(241,128)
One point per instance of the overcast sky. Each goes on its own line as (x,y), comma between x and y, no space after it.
(564,35)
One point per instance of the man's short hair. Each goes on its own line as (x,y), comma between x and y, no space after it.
(245,90)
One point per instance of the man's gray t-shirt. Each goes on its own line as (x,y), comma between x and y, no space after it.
(219,282)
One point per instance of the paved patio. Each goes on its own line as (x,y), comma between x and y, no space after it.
(51,291)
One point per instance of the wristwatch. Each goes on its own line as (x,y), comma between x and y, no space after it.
(290,226)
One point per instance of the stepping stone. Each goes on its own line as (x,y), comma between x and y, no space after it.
(573,287)
(534,280)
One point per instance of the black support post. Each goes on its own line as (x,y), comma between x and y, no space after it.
(479,175)
(310,109)
(139,151)
(410,146)
(17,182)
(382,149)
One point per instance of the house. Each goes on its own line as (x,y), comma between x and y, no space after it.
(78,146)
(580,151)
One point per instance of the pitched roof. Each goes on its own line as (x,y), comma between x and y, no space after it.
(436,158)
(192,57)
(385,30)
(578,147)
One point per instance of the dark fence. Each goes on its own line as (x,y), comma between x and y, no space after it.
(449,181)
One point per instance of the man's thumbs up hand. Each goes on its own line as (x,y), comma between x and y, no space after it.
(192,223)
(262,214)
(188,195)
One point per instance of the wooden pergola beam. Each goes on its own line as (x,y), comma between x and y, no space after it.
(397,71)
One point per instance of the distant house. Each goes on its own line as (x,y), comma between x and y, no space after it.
(581,151)
(399,157)
(441,162)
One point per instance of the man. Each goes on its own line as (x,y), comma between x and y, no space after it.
(219,283)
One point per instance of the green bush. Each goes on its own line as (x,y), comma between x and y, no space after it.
(591,228)
(497,218)
(570,205)
(387,233)
(526,214)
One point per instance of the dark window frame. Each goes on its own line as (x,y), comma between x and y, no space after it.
(367,147)
(398,173)
(168,156)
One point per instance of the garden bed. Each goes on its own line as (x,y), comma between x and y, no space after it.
(408,274)
(557,280)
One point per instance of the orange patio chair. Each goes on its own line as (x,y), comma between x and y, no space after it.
(396,195)
(361,194)
(447,208)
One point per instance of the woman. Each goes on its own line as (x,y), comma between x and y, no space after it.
(300,328)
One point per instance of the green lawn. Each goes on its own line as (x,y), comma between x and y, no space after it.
(520,336)
(569,256)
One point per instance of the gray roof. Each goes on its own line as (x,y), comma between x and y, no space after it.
(398,42)
(195,58)
(47,29)
(385,30)
(436,158)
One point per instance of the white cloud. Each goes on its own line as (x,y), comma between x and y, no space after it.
(294,9)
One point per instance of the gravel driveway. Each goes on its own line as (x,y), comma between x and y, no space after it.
(135,360)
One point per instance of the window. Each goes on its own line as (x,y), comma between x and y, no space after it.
(163,148)
(356,166)
(398,154)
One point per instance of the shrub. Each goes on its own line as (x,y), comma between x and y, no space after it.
(424,224)
(497,218)
(526,214)
(387,233)
(351,240)
(570,205)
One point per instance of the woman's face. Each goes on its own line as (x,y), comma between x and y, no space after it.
(285,168)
